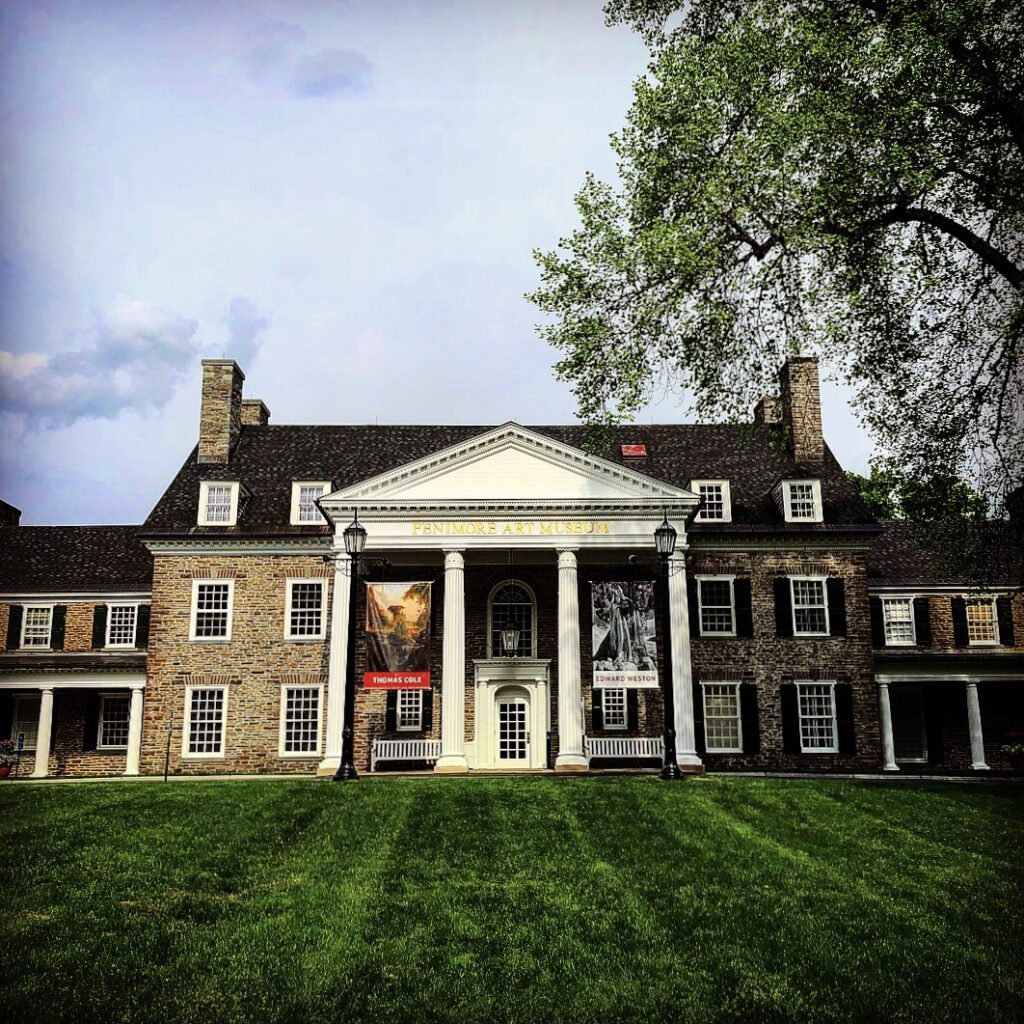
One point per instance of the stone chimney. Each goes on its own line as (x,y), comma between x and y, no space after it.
(768,410)
(254,413)
(9,515)
(220,419)
(801,407)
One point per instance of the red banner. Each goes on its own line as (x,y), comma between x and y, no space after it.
(397,636)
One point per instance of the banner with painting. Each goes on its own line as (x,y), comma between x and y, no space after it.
(397,636)
(625,653)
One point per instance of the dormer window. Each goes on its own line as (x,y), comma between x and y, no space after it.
(304,496)
(717,507)
(218,503)
(800,500)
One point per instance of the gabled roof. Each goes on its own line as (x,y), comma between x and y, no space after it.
(268,458)
(73,559)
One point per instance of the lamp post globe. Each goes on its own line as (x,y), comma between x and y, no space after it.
(665,544)
(354,536)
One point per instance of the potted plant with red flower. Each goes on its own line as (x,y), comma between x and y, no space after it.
(8,756)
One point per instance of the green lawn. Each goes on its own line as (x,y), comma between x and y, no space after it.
(586,899)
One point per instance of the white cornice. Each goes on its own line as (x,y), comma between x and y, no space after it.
(239,546)
(84,680)
(77,597)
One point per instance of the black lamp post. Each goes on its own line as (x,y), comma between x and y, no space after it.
(355,543)
(665,544)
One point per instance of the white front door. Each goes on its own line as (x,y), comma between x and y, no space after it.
(513,732)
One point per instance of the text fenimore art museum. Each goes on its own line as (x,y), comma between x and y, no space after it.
(500,605)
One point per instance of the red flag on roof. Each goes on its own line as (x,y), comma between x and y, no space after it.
(634,451)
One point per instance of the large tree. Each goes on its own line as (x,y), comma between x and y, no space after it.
(828,176)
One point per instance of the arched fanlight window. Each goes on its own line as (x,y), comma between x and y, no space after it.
(512,625)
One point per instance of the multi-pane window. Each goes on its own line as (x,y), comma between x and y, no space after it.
(304,496)
(35,631)
(121,620)
(613,708)
(981,621)
(512,608)
(898,613)
(810,607)
(722,726)
(211,610)
(217,508)
(300,727)
(305,609)
(801,501)
(817,706)
(409,709)
(717,614)
(26,721)
(113,724)
(716,504)
(204,722)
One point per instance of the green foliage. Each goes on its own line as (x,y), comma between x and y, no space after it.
(828,176)
(549,900)
(891,494)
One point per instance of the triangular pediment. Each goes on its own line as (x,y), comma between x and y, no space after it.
(512,465)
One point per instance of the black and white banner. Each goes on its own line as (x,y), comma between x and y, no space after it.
(625,653)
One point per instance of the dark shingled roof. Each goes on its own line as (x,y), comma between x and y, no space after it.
(268,458)
(71,559)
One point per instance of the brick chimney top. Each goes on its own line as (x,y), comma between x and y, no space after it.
(801,407)
(768,410)
(220,418)
(254,413)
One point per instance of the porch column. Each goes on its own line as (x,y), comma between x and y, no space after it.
(453,667)
(974,724)
(337,660)
(570,696)
(44,732)
(885,713)
(131,766)
(682,670)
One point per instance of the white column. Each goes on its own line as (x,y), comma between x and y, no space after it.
(43,735)
(453,668)
(974,724)
(570,694)
(682,667)
(337,660)
(885,713)
(131,766)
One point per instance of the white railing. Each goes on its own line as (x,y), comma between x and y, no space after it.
(404,750)
(624,746)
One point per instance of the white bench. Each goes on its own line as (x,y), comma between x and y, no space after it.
(624,746)
(404,750)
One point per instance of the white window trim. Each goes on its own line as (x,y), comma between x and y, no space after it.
(297,486)
(787,513)
(912,642)
(204,487)
(739,717)
(195,611)
(995,642)
(292,754)
(185,755)
(490,616)
(24,623)
(823,580)
(308,638)
(830,683)
(118,695)
(624,725)
(17,720)
(418,727)
(135,631)
(726,501)
(731,580)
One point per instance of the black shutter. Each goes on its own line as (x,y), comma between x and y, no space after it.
(744,608)
(142,626)
(844,719)
(1004,613)
(57,625)
(934,721)
(877,621)
(790,719)
(691,586)
(427,712)
(6,714)
(92,720)
(700,740)
(960,635)
(922,622)
(597,710)
(750,718)
(783,607)
(99,627)
(391,711)
(632,710)
(14,627)
(836,606)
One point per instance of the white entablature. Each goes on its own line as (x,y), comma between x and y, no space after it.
(510,487)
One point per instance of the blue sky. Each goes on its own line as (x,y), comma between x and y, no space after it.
(342,196)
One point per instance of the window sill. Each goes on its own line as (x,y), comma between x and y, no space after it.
(202,757)
(820,750)
(725,636)
(209,639)
(111,750)
(293,755)
(724,750)
(304,639)
(811,636)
